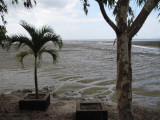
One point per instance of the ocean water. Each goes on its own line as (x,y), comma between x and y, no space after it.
(86,69)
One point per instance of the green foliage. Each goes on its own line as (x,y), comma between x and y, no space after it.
(109,3)
(27,3)
(21,56)
(131,16)
(3,37)
(142,2)
(4,9)
(52,52)
(85,5)
(38,38)
(113,4)
(2,33)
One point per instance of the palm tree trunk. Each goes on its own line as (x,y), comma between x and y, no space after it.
(35,78)
(124,78)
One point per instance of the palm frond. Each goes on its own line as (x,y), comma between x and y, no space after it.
(52,52)
(45,29)
(46,34)
(30,29)
(39,37)
(21,40)
(21,56)
(56,39)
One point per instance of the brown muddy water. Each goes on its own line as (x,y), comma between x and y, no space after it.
(85,70)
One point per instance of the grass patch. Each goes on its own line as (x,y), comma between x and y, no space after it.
(92,90)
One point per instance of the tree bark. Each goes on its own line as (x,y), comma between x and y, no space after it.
(105,16)
(124,78)
(35,78)
(141,18)
(124,70)
(125,34)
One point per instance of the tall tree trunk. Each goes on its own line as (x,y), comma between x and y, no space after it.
(124,78)
(125,34)
(35,78)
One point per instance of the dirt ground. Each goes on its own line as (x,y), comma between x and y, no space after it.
(60,109)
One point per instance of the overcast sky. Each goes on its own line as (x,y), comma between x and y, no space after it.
(68,20)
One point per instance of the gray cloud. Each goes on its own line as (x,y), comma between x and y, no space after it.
(53,3)
(41,3)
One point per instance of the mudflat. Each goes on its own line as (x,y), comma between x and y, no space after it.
(87,70)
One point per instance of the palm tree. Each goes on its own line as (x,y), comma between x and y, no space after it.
(38,38)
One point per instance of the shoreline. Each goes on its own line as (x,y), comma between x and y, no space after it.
(22,93)
(147,43)
(62,109)
(69,96)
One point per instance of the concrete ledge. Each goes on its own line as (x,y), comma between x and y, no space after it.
(91,114)
(34,104)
